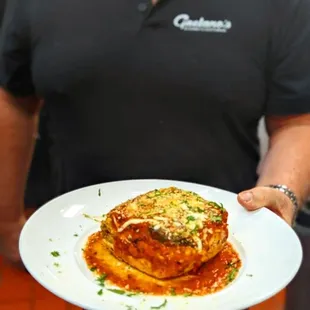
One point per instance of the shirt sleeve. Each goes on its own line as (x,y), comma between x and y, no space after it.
(15,51)
(288,61)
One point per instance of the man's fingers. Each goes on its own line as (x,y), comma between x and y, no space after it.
(259,197)
(246,199)
(271,198)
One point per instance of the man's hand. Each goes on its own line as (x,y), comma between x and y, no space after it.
(9,238)
(273,199)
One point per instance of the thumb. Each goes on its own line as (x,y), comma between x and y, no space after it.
(259,197)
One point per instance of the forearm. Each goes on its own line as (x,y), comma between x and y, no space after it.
(18,125)
(288,161)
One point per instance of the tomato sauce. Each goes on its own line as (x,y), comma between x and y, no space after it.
(212,276)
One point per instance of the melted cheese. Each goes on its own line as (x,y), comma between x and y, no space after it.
(198,242)
(179,214)
(134,222)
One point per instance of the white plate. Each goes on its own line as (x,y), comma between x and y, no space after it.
(270,250)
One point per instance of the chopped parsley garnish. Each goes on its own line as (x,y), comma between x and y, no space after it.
(157,193)
(56,265)
(55,254)
(186,203)
(161,306)
(50,239)
(99,192)
(188,294)
(216,205)
(130,308)
(101,279)
(116,291)
(192,193)
(172,291)
(232,275)
(75,235)
(216,219)
(173,204)
(93,269)
(100,292)
(121,292)
(249,275)
(194,209)
(190,218)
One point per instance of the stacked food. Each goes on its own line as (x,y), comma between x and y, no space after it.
(166,233)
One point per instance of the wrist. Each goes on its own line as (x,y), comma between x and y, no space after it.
(289,202)
(289,193)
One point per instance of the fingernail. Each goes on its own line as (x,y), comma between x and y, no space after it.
(246,196)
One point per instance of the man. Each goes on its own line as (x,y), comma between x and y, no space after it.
(172,90)
(39,187)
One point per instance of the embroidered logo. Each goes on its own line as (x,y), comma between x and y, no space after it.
(183,22)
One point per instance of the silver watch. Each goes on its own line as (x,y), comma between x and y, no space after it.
(288,192)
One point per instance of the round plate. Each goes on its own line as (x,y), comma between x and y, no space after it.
(269,249)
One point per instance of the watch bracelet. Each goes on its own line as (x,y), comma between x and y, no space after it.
(288,192)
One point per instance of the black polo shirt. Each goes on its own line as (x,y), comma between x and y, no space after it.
(2,8)
(172,91)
